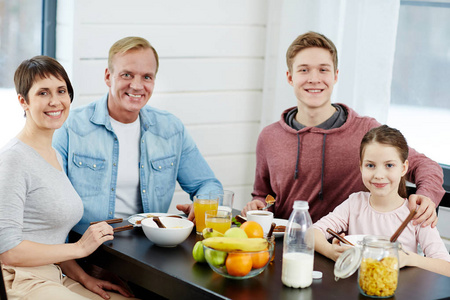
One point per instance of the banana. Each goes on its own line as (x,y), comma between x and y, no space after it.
(236,244)
(209,233)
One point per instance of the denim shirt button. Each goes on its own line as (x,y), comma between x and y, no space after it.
(142,166)
(114,164)
(95,166)
(80,163)
(112,189)
(143,191)
(159,167)
(171,164)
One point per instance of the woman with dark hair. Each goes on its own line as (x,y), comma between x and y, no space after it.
(38,205)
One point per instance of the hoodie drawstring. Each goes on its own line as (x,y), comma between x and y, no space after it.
(323,167)
(298,156)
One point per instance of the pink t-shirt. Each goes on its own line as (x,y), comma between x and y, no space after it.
(356,216)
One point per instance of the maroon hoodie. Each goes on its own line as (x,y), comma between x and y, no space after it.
(322,166)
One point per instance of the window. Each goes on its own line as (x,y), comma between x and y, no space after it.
(420,92)
(20,38)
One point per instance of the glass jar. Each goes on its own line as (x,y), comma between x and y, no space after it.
(378,263)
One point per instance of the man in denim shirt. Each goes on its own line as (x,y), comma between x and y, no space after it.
(124,157)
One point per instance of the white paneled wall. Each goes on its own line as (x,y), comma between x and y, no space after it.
(211,69)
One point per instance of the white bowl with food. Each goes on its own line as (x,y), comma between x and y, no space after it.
(176,231)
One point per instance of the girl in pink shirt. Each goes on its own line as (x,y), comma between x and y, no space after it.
(383,164)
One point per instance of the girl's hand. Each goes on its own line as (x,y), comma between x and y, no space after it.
(94,236)
(337,249)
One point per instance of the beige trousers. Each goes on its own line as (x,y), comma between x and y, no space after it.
(46,283)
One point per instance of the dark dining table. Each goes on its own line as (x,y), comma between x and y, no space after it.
(173,273)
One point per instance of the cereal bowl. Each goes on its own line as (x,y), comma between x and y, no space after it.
(235,264)
(176,231)
(355,239)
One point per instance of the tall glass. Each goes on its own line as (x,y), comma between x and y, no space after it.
(226,199)
(203,203)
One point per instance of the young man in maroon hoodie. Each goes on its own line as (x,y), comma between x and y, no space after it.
(312,152)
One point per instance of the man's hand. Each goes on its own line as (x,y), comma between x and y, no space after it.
(426,210)
(253,205)
(188,209)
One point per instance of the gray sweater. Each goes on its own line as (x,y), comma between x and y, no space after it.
(37,201)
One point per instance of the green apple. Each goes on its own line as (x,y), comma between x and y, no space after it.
(215,257)
(236,232)
(197,252)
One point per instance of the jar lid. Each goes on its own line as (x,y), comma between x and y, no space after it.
(347,263)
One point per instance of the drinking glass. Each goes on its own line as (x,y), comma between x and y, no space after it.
(219,220)
(226,199)
(203,203)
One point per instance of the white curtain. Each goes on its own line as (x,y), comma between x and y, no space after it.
(364,32)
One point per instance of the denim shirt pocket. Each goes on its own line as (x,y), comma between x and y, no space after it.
(164,174)
(88,174)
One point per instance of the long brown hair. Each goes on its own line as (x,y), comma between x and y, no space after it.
(392,137)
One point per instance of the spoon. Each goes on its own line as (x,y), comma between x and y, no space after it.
(158,222)
(395,236)
(269,202)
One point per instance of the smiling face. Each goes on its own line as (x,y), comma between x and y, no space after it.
(313,78)
(48,104)
(131,82)
(382,169)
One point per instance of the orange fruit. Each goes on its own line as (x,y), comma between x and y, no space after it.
(252,229)
(259,260)
(238,264)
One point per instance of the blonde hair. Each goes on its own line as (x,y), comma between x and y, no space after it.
(130,43)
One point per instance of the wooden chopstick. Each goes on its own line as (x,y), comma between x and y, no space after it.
(330,231)
(395,236)
(123,228)
(110,221)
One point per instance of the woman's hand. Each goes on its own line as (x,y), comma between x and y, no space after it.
(94,236)
(99,287)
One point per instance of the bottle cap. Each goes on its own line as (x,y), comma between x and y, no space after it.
(301,204)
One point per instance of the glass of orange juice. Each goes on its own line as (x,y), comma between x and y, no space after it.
(202,204)
(219,220)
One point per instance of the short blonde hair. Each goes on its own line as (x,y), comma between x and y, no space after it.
(127,44)
(309,40)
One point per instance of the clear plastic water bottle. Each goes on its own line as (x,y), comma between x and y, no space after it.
(298,248)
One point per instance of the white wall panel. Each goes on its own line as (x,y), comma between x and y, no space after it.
(177,41)
(225,139)
(174,11)
(202,107)
(186,75)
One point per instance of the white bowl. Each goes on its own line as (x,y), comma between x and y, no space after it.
(176,231)
(355,239)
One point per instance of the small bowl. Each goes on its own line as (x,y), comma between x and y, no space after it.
(355,239)
(176,231)
(222,269)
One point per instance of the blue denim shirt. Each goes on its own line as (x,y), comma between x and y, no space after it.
(90,151)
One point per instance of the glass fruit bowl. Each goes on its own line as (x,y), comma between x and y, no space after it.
(238,264)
